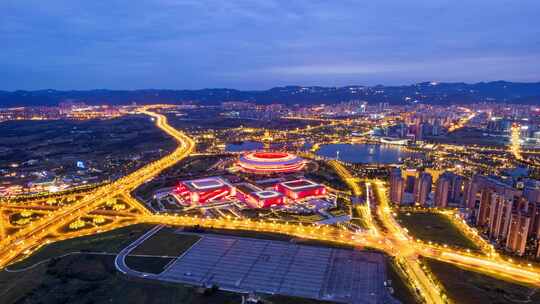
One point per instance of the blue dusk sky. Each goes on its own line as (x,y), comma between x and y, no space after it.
(258,44)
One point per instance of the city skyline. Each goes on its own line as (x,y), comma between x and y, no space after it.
(421,186)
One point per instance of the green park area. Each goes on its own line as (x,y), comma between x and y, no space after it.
(108,242)
(94,279)
(279,299)
(434,227)
(159,250)
(468,287)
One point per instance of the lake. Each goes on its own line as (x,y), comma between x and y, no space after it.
(367,153)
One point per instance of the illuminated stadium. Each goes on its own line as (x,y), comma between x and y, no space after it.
(270,162)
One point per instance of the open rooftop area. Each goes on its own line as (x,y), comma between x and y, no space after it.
(276,267)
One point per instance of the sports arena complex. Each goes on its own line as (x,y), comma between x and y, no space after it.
(203,190)
(254,192)
(270,162)
(214,189)
(299,189)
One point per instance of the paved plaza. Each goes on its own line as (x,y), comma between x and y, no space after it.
(276,267)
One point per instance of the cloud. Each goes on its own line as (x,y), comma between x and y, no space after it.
(258,43)
(338,69)
(442,65)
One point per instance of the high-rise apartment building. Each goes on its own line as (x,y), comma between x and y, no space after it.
(396,186)
(442,191)
(508,213)
(449,190)
(423,189)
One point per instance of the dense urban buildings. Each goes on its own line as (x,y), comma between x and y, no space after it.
(507,211)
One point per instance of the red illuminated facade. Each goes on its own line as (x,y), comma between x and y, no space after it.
(201,191)
(206,190)
(270,162)
(299,189)
(258,198)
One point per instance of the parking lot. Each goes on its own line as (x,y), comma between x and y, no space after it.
(275,267)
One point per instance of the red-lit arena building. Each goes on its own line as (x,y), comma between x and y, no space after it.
(200,191)
(270,162)
(258,198)
(299,189)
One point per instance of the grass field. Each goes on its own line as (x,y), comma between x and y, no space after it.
(111,241)
(93,279)
(147,264)
(279,299)
(165,245)
(436,228)
(467,287)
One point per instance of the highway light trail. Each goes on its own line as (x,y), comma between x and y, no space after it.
(346,176)
(491,265)
(406,253)
(463,121)
(2,224)
(33,234)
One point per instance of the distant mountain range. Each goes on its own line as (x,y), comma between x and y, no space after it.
(426,92)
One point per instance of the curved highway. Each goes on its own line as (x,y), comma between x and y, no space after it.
(31,237)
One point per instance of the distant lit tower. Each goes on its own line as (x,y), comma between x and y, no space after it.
(267,139)
(436,127)
(337,155)
(402,130)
